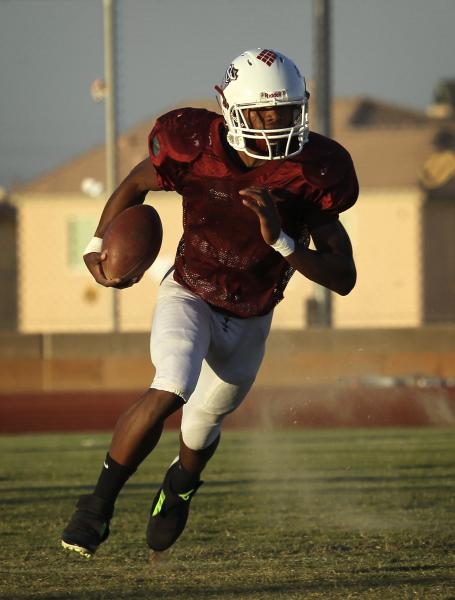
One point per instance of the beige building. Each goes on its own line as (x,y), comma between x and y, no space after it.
(57,215)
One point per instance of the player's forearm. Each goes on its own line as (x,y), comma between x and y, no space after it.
(131,191)
(126,195)
(334,271)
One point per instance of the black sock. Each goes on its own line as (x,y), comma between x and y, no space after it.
(182,480)
(112,478)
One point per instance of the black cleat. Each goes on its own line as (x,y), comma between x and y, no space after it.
(89,525)
(169,514)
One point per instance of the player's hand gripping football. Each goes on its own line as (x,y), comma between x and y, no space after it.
(263,203)
(94,262)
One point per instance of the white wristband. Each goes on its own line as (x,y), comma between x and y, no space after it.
(94,245)
(285,245)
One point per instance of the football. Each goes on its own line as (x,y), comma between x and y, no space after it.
(132,242)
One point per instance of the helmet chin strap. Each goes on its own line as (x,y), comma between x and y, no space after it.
(221,93)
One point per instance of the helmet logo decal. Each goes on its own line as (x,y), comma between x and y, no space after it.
(268,57)
(231,74)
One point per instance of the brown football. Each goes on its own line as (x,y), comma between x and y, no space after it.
(132,242)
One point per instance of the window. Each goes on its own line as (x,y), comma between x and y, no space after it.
(79,232)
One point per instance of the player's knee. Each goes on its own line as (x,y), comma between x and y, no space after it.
(160,404)
(226,397)
(199,436)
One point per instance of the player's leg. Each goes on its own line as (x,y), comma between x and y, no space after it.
(179,342)
(203,417)
(194,462)
(222,386)
(228,373)
(139,429)
(200,435)
(136,434)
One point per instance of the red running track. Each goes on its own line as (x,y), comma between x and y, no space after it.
(265,408)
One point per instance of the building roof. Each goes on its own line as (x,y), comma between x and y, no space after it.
(388,143)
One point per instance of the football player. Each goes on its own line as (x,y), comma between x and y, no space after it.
(256,184)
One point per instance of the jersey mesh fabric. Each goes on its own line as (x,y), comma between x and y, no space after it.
(222,256)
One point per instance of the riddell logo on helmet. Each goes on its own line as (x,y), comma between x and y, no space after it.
(271,95)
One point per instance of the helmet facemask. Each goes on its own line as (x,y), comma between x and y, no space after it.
(268,144)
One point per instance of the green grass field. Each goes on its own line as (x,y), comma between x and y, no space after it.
(293,514)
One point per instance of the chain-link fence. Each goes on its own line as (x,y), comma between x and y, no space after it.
(401,228)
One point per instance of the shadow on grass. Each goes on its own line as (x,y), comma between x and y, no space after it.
(403,569)
(66,492)
(263,482)
(96,447)
(291,589)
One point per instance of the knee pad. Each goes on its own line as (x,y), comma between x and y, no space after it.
(202,417)
(200,435)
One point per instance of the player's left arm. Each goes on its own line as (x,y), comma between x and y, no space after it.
(331,264)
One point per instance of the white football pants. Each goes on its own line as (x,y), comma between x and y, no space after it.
(208,359)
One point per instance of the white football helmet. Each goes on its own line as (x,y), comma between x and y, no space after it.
(258,79)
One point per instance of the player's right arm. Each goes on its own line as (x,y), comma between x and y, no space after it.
(131,191)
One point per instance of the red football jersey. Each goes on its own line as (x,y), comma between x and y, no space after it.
(222,255)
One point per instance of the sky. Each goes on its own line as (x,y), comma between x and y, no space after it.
(172,51)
